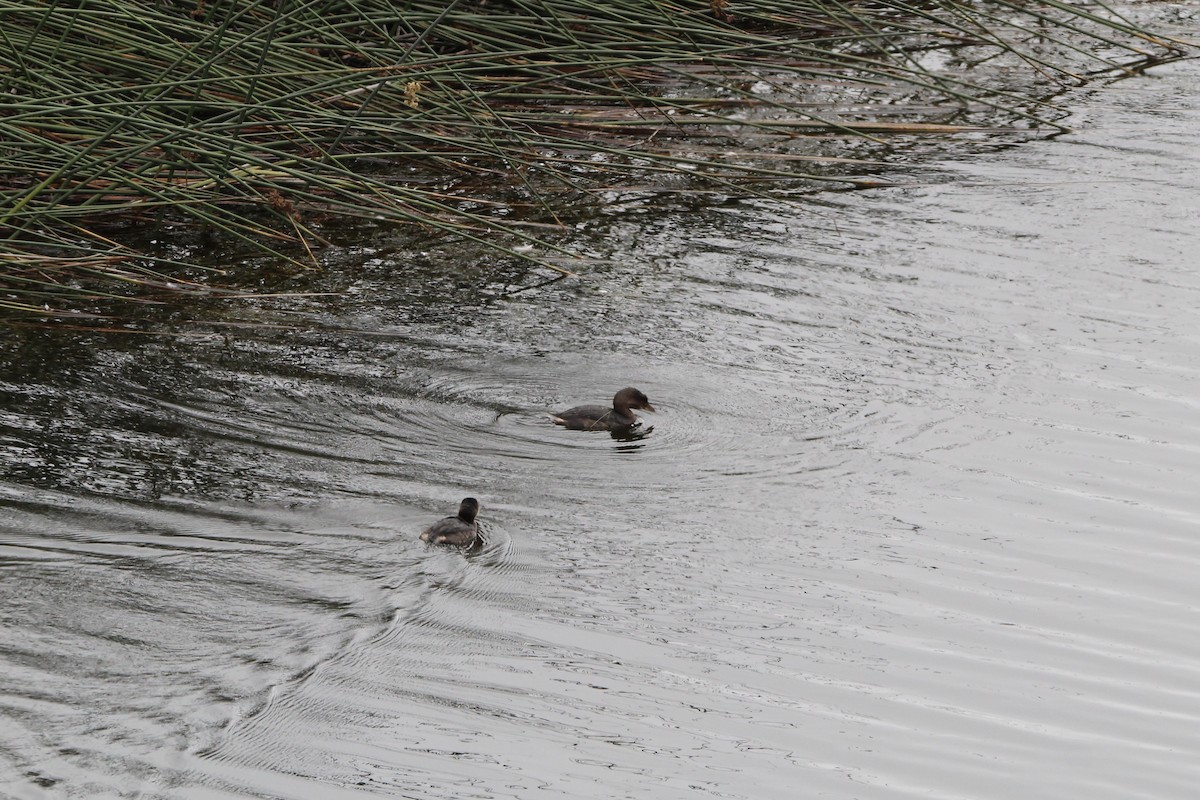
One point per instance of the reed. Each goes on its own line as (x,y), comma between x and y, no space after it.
(270,122)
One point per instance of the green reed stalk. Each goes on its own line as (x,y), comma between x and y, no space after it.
(266,122)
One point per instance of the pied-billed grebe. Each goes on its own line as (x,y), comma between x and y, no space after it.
(458,531)
(599,418)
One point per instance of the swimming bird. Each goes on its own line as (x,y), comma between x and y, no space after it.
(601,418)
(457,531)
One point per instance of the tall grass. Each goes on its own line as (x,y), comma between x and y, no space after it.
(267,122)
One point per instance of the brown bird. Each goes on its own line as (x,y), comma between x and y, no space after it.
(458,531)
(601,418)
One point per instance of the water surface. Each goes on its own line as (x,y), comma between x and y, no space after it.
(916,517)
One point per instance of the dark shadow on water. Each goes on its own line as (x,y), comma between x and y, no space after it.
(631,438)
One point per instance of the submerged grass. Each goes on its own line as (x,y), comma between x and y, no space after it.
(268,122)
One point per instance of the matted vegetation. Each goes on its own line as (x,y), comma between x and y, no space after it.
(265,122)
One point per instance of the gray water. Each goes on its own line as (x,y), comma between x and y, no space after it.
(916,516)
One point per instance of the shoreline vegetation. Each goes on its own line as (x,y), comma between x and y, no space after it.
(268,125)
